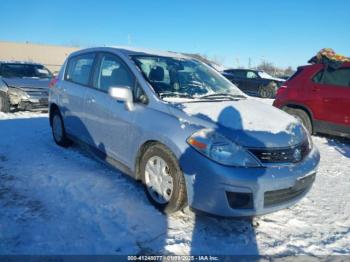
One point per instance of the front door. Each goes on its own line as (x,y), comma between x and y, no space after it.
(109,122)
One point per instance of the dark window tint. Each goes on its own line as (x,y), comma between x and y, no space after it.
(232,72)
(11,70)
(338,77)
(79,69)
(318,77)
(241,73)
(113,73)
(139,95)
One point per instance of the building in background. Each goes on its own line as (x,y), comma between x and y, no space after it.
(49,55)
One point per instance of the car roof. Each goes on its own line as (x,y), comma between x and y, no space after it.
(132,51)
(320,65)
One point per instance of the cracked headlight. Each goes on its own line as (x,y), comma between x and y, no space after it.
(18,93)
(221,150)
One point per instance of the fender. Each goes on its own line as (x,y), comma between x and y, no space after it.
(299,106)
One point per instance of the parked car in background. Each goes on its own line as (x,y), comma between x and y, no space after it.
(23,86)
(254,82)
(319,97)
(184,130)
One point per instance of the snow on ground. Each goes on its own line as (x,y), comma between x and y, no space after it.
(62,201)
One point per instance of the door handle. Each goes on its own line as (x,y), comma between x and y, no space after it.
(91,100)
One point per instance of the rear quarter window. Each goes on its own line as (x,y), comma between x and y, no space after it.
(79,69)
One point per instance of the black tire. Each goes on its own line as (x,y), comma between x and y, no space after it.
(302,116)
(267,91)
(4,103)
(61,140)
(178,199)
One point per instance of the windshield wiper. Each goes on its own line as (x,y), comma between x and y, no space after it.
(174,94)
(223,95)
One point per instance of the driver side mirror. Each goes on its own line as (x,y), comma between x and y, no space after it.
(123,94)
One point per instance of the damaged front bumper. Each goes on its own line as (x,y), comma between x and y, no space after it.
(234,191)
(28,99)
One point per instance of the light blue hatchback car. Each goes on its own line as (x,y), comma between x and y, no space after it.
(176,124)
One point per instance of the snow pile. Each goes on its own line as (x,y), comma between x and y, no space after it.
(21,114)
(62,201)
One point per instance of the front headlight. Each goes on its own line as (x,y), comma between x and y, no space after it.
(18,93)
(309,139)
(219,149)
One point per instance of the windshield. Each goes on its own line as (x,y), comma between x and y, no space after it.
(263,74)
(24,70)
(176,77)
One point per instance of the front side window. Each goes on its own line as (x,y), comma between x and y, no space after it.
(172,76)
(113,73)
(13,70)
(79,69)
(251,74)
(337,77)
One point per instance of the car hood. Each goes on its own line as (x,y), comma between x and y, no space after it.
(27,83)
(247,122)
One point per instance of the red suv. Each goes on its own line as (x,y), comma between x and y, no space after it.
(319,97)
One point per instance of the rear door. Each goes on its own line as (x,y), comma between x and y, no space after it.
(241,80)
(331,90)
(76,81)
(253,82)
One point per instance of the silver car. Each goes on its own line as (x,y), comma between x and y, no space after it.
(177,125)
(23,86)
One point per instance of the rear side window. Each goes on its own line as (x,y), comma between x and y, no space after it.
(241,73)
(232,72)
(338,77)
(79,69)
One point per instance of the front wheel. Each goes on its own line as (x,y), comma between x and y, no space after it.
(58,131)
(163,179)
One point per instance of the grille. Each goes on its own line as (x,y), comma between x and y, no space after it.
(37,93)
(281,196)
(285,155)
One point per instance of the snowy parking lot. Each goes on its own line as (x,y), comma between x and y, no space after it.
(62,201)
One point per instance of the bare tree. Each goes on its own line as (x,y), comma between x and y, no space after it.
(289,71)
(268,67)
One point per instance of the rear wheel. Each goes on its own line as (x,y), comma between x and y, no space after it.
(302,116)
(268,91)
(4,103)
(163,179)
(58,131)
